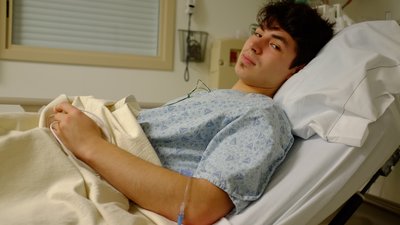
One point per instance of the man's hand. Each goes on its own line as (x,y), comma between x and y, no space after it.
(74,128)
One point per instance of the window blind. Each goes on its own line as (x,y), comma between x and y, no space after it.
(117,26)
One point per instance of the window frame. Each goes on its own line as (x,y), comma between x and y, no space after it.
(163,61)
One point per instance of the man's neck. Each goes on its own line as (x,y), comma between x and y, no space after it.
(240,86)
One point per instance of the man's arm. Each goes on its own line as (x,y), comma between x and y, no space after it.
(150,186)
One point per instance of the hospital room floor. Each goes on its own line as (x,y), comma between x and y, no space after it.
(371,214)
(374,211)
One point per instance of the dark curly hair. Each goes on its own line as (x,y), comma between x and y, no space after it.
(304,24)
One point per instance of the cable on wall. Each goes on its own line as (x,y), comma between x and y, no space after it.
(186,75)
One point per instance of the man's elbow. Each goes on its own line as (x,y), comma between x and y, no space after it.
(209,207)
(206,216)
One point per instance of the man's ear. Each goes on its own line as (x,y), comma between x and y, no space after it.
(295,70)
(300,67)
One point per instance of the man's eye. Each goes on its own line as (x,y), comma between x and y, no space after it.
(257,34)
(274,46)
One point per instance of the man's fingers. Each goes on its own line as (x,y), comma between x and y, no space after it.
(50,119)
(64,107)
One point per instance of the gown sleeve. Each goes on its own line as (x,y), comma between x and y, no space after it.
(243,155)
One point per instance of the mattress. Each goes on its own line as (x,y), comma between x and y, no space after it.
(318,177)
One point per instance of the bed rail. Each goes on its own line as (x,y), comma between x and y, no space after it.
(34,104)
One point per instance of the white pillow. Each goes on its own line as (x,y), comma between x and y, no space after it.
(348,85)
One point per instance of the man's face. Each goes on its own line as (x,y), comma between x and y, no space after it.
(266,57)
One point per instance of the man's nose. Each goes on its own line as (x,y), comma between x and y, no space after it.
(256,50)
(256,46)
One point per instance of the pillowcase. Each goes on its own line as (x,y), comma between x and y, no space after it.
(350,84)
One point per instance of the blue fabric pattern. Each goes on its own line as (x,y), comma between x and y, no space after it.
(234,140)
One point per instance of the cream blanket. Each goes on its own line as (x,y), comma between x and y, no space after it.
(40,184)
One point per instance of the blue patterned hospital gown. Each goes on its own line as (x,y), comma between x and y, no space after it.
(234,140)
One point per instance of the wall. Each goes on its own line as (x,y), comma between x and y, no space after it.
(27,79)
(362,10)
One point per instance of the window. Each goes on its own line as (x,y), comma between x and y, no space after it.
(117,33)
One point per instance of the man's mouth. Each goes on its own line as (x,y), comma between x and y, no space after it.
(247,60)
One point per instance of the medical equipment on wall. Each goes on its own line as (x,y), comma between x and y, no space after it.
(334,13)
(224,55)
(315,3)
(192,43)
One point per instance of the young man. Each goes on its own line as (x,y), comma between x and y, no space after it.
(229,141)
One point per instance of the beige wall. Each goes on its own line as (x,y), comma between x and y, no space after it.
(25,79)
(221,18)
(362,10)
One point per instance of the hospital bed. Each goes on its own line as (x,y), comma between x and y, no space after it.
(345,111)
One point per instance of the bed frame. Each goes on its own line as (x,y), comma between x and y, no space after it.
(353,203)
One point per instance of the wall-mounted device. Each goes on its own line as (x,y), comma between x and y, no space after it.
(192,43)
(224,55)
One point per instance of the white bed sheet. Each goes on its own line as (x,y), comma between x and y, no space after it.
(318,177)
